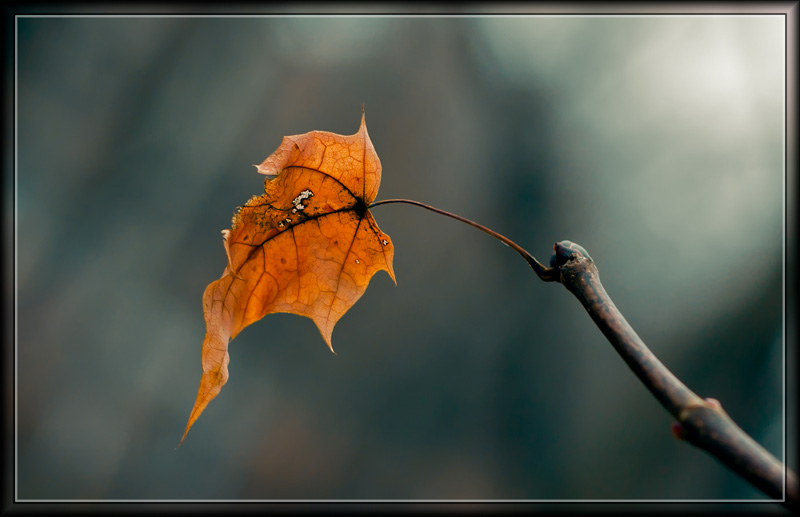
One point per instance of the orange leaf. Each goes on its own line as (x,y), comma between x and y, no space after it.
(308,245)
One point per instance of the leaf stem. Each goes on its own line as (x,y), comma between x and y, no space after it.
(545,273)
(701,422)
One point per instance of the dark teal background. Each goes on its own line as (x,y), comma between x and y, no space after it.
(657,143)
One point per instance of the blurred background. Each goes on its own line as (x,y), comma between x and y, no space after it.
(655,142)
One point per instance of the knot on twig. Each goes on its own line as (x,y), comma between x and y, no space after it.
(565,251)
(707,403)
(699,417)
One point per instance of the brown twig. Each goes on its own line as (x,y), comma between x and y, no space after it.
(701,422)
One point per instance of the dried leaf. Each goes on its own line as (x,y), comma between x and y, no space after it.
(307,246)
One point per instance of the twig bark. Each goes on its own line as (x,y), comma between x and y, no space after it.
(703,423)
